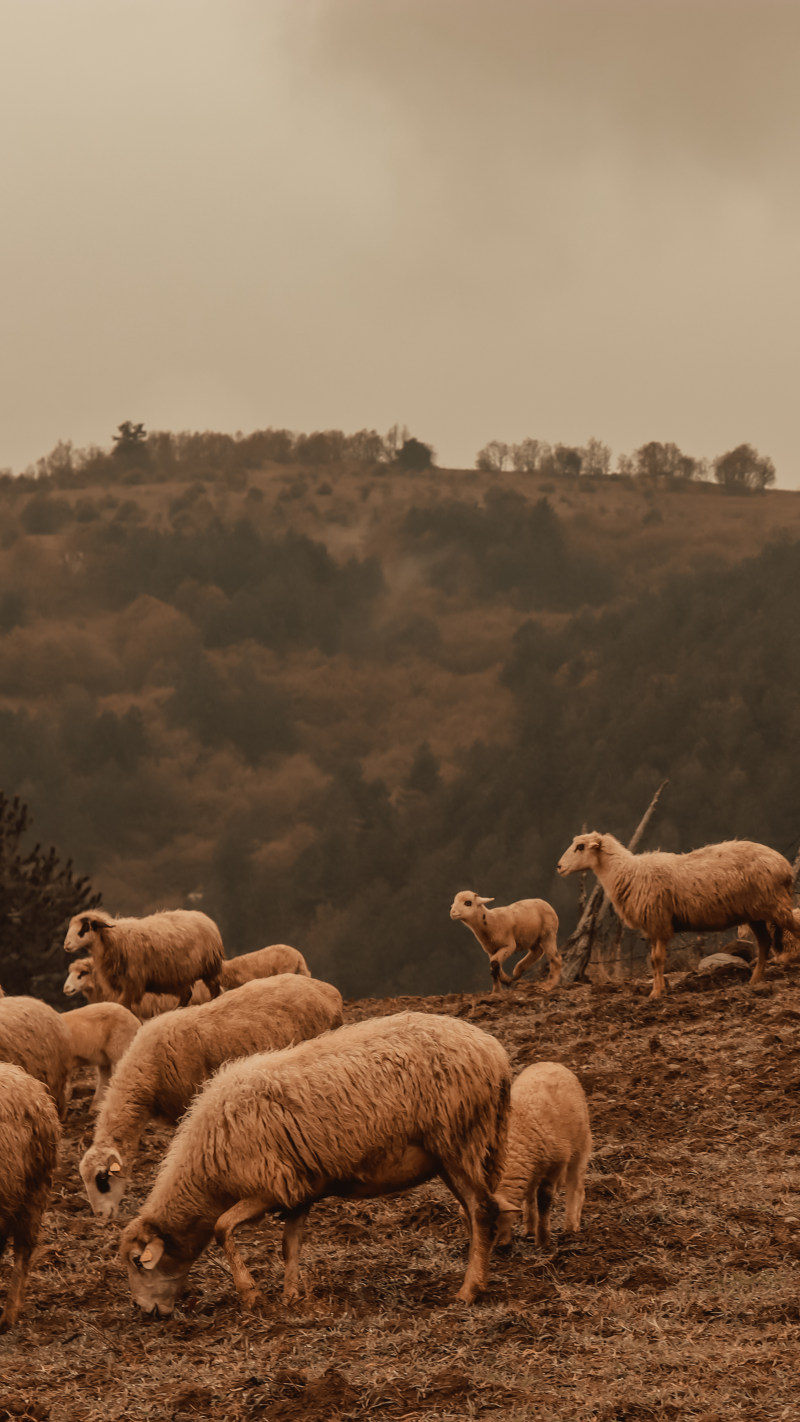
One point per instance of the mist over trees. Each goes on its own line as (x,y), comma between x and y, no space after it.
(320,698)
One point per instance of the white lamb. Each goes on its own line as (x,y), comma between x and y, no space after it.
(100,1034)
(719,886)
(549,1144)
(29,1137)
(263,963)
(529,926)
(163,952)
(377,1107)
(171,1056)
(33,1036)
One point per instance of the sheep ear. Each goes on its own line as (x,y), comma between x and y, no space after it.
(151,1254)
(481,901)
(595,841)
(114,1168)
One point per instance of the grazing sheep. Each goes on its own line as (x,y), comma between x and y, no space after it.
(171,1056)
(163,952)
(82,977)
(529,926)
(549,1144)
(100,1034)
(377,1107)
(33,1036)
(716,887)
(264,963)
(29,1137)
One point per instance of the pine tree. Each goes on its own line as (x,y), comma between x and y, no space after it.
(38,896)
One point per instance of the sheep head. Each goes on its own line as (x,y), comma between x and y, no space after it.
(582,854)
(105,1178)
(80,975)
(157,1269)
(466,905)
(83,929)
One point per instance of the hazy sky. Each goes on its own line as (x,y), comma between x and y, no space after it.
(485,219)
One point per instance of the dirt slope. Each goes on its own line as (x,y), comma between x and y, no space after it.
(678,1300)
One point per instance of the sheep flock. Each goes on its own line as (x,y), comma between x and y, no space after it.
(278,1101)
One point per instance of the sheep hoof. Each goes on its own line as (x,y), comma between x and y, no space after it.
(253,1299)
(467,1293)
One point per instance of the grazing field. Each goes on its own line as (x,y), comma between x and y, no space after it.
(679,1299)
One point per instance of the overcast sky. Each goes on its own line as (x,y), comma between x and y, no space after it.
(485,219)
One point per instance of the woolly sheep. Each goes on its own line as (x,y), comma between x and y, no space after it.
(29,1137)
(529,926)
(549,1144)
(172,1055)
(163,952)
(263,963)
(716,887)
(377,1107)
(33,1036)
(82,978)
(100,1034)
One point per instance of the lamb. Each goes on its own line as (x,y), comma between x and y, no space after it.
(378,1106)
(82,978)
(529,926)
(100,1034)
(29,1137)
(549,1144)
(172,1055)
(33,1036)
(719,886)
(163,952)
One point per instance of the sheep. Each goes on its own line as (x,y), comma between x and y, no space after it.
(172,1055)
(529,926)
(100,1034)
(718,886)
(378,1106)
(33,1036)
(82,978)
(29,1139)
(163,952)
(549,1144)
(264,963)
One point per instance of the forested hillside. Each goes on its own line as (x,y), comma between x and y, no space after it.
(320,696)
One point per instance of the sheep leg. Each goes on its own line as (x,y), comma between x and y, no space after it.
(482,1212)
(247,1210)
(658,957)
(103,1078)
(24,1234)
(291,1245)
(532,956)
(575,1194)
(496,962)
(213,984)
(764,941)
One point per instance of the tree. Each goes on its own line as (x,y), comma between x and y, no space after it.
(596,458)
(130,444)
(494,457)
(526,457)
(744,468)
(413,454)
(38,895)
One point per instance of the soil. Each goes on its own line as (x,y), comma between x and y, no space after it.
(678,1299)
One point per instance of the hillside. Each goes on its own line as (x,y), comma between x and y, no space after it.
(320,699)
(677,1300)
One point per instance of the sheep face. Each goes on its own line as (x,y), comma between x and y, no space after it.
(79,978)
(582,854)
(105,1178)
(82,931)
(467,905)
(157,1273)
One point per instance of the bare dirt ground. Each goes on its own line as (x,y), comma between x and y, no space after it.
(679,1299)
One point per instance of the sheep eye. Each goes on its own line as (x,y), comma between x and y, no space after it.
(137,1261)
(101,1181)
(468,903)
(579,847)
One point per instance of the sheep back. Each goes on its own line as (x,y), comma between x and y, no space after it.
(549,1138)
(33,1036)
(264,963)
(29,1139)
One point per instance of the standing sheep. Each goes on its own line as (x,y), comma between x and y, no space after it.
(529,926)
(377,1107)
(719,886)
(549,1144)
(100,1034)
(171,1056)
(29,1137)
(163,952)
(33,1036)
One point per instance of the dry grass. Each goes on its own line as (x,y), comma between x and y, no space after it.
(678,1300)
